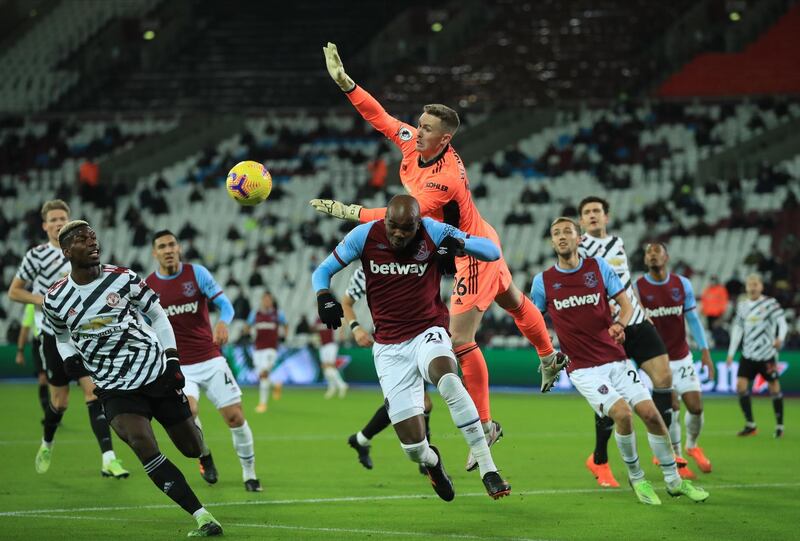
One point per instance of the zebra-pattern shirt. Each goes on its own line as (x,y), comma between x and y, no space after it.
(104,321)
(357,287)
(42,267)
(758,322)
(612,249)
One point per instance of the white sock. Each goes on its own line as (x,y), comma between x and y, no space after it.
(263,390)
(694,424)
(108,456)
(48,444)
(363,440)
(675,432)
(626,443)
(465,416)
(666,458)
(243,443)
(205,450)
(199,512)
(421,453)
(333,378)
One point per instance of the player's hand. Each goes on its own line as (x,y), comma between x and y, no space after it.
(363,338)
(777,343)
(38,299)
(220,333)
(20,358)
(451,247)
(617,333)
(705,359)
(336,68)
(329,309)
(729,361)
(172,372)
(337,209)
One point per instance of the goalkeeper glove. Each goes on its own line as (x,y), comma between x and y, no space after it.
(337,209)
(330,311)
(336,68)
(172,372)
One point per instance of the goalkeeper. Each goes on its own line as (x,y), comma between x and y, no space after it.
(433,173)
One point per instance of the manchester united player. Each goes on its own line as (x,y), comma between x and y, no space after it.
(433,173)
(575,291)
(269,323)
(399,256)
(184,290)
(669,302)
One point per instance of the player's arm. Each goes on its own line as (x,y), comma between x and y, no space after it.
(146,300)
(349,249)
(22,339)
(18,292)
(737,332)
(214,293)
(615,290)
(452,241)
(283,325)
(362,337)
(537,293)
(695,326)
(66,348)
(783,328)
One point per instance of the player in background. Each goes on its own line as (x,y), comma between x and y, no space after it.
(642,343)
(41,267)
(760,326)
(96,314)
(412,346)
(432,172)
(184,290)
(29,326)
(269,324)
(328,351)
(669,301)
(575,291)
(362,440)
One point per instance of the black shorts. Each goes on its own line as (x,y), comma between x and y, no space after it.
(36,354)
(54,364)
(642,342)
(168,406)
(750,369)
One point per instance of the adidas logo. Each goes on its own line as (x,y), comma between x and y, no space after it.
(168,485)
(458,301)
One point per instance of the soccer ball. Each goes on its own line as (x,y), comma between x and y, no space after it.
(249,183)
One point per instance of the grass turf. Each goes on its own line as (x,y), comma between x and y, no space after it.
(315,489)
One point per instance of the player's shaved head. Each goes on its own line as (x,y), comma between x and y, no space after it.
(402,220)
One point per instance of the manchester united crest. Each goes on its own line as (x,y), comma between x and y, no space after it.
(112,299)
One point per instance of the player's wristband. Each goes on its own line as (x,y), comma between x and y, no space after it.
(354,324)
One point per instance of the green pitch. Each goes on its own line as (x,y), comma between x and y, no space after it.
(315,488)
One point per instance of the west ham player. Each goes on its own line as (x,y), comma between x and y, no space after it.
(41,267)
(668,300)
(269,323)
(184,290)
(575,291)
(328,351)
(96,313)
(642,343)
(361,441)
(760,322)
(412,345)
(432,172)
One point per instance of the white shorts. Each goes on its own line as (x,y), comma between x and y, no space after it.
(684,378)
(328,352)
(264,359)
(403,370)
(215,378)
(603,385)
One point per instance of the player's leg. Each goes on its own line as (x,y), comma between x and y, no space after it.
(41,375)
(770,373)
(195,378)
(693,421)
(112,466)
(362,440)
(746,374)
(437,365)
(327,354)
(264,360)
(58,385)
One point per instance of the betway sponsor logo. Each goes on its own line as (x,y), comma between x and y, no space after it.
(178,309)
(577,300)
(662,311)
(398,268)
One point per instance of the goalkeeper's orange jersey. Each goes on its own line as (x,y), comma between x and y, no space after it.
(440,186)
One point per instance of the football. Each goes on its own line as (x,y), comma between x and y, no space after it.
(249,183)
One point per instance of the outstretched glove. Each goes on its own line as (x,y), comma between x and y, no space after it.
(172,374)
(447,252)
(336,68)
(337,209)
(330,311)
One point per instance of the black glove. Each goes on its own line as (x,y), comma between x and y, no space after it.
(73,367)
(172,374)
(448,250)
(330,311)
